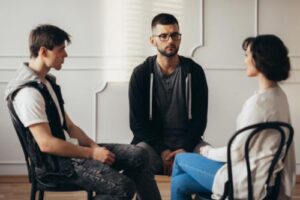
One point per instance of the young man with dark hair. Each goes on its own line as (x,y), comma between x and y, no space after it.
(168,98)
(61,152)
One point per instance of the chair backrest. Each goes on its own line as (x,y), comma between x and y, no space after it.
(20,132)
(33,179)
(255,129)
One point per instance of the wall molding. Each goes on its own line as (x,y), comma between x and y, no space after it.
(13,56)
(211,68)
(78,69)
(256,17)
(193,51)
(295,56)
(96,106)
(256,24)
(12,162)
(80,63)
(108,123)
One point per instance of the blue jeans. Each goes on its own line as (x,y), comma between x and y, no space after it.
(192,174)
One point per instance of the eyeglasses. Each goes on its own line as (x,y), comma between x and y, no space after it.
(165,37)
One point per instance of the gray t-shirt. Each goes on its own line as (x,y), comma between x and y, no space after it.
(170,101)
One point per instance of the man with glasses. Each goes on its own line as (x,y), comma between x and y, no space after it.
(168,98)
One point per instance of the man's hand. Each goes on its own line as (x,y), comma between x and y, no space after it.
(167,157)
(103,155)
(167,162)
(172,155)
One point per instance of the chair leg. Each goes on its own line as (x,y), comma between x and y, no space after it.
(41,195)
(90,195)
(33,192)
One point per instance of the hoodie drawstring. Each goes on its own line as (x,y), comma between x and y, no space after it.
(188,94)
(151,96)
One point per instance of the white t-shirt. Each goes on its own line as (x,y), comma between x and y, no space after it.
(30,107)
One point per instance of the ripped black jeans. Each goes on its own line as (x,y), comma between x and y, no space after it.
(109,183)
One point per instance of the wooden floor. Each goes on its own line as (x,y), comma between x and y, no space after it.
(18,188)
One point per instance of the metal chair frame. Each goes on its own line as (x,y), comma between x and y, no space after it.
(272,191)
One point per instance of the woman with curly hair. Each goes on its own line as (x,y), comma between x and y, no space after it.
(267,60)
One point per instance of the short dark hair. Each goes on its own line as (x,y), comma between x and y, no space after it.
(270,56)
(164,19)
(47,36)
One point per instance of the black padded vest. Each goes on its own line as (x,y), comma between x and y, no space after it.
(44,164)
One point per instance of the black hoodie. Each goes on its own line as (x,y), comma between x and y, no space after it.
(144,115)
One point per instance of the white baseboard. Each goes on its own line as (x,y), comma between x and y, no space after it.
(20,169)
(13,169)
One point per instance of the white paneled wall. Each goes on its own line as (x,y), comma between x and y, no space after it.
(226,24)
(110,37)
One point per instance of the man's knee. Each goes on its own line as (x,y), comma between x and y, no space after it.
(141,156)
(155,162)
(144,145)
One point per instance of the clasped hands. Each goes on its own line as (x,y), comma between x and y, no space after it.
(168,157)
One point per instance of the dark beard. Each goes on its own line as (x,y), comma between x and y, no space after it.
(166,54)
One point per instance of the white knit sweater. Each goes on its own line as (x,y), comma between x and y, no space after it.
(263,106)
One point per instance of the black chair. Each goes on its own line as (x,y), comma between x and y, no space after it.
(36,183)
(272,190)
